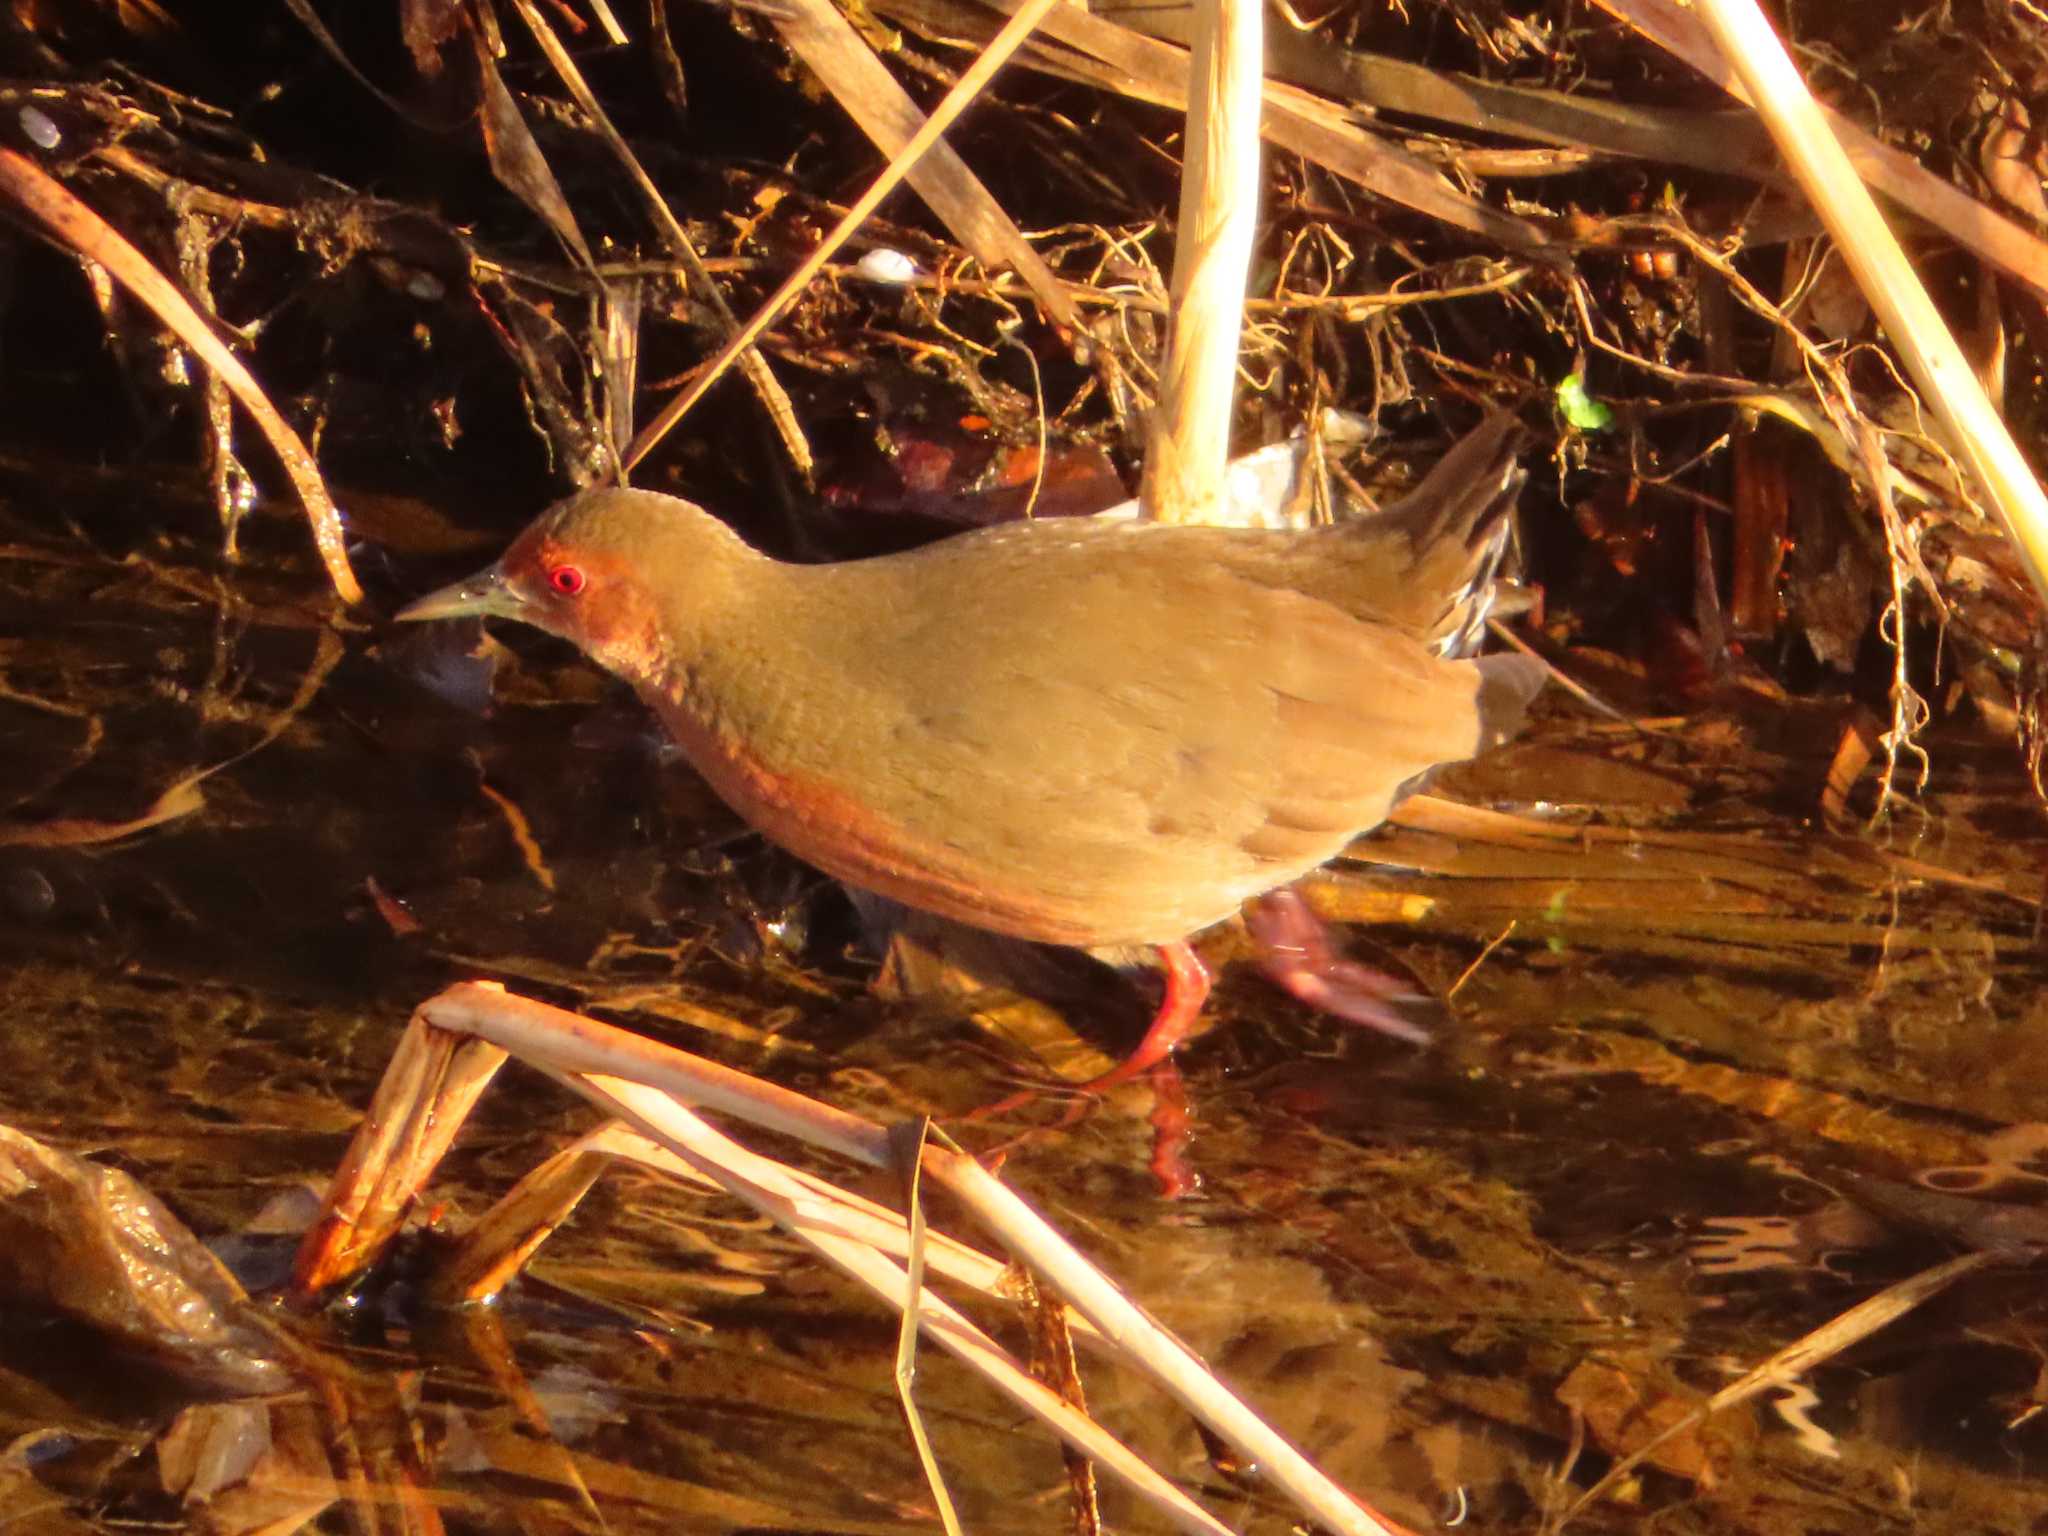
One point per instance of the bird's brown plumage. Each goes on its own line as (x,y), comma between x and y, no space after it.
(1077,731)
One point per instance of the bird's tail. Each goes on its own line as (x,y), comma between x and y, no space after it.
(1457,526)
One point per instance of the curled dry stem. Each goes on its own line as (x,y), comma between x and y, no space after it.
(78,228)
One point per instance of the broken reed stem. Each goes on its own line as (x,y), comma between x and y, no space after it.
(434,1080)
(1088,1291)
(543,1197)
(1188,447)
(769,1188)
(581,1051)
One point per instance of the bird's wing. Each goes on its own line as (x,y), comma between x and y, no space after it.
(1131,745)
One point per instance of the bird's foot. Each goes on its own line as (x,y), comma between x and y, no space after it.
(1296,955)
(1187,987)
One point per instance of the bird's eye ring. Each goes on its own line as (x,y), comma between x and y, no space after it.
(566,579)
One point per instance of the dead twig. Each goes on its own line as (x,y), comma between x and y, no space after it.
(774,399)
(80,229)
(1887,277)
(1794,1360)
(957,101)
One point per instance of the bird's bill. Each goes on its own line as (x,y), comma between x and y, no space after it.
(480,596)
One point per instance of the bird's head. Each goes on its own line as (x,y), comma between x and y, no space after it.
(614,572)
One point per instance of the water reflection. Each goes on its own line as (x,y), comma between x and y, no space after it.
(1710,1067)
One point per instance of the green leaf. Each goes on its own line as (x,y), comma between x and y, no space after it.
(1581,410)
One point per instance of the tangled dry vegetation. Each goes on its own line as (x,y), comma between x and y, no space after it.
(456,256)
(470,249)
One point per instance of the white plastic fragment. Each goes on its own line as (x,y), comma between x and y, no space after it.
(1263,488)
(41,131)
(886,266)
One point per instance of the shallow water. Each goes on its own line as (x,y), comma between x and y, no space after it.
(1705,1060)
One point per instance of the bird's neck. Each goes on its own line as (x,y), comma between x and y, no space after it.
(712,655)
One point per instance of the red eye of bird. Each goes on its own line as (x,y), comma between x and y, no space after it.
(566,579)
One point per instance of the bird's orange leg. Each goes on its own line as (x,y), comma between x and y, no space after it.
(1187,988)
